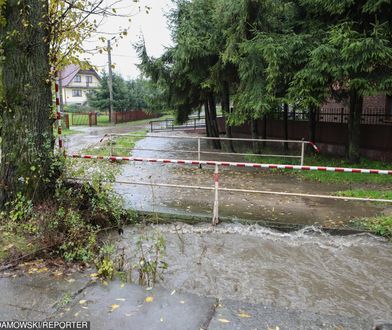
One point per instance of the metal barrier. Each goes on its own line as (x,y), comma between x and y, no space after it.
(200,152)
(169,124)
(217,189)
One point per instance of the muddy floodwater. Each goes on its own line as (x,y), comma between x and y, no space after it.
(307,269)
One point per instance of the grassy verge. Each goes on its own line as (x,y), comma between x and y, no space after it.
(68,224)
(364,193)
(122,145)
(331,177)
(380,225)
(12,244)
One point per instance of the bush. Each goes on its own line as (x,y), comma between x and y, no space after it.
(68,224)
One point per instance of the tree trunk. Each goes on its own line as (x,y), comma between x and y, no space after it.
(354,126)
(213,121)
(312,126)
(227,111)
(27,134)
(255,136)
(286,125)
(312,123)
(264,130)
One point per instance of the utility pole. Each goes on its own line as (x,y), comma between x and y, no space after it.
(110,84)
(61,93)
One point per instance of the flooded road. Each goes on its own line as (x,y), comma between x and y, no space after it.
(307,269)
(233,205)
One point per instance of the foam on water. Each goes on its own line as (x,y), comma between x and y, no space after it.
(306,269)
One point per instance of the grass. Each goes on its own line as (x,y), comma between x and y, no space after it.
(332,177)
(82,119)
(380,225)
(122,145)
(12,244)
(67,132)
(364,193)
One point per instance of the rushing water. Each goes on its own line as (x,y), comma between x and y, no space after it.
(307,269)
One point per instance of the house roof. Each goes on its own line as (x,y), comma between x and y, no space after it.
(70,71)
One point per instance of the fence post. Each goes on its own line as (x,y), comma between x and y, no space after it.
(215,217)
(195,123)
(151,126)
(67,120)
(111,144)
(302,152)
(90,119)
(198,150)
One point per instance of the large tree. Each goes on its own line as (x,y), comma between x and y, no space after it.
(27,138)
(353,58)
(37,38)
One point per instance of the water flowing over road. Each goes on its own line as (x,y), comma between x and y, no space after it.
(307,269)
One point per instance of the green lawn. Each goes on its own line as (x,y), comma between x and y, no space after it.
(331,177)
(365,193)
(82,119)
(380,225)
(122,145)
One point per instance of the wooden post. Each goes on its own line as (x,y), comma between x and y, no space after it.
(66,120)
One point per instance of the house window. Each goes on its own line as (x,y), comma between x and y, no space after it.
(89,79)
(77,93)
(78,78)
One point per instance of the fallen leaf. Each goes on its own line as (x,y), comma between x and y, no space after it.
(122,285)
(76,314)
(71,280)
(120,299)
(223,321)
(161,319)
(82,302)
(173,292)
(244,315)
(182,302)
(114,307)
(94,275)
(149,299)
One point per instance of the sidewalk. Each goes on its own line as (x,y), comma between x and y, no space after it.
(115,305)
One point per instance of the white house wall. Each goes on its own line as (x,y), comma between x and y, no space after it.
(83,86)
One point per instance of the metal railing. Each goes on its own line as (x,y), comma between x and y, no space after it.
(170,124)
(216,188)
(200,152)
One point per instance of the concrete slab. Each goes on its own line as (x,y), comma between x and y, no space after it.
(36,297)
(119,306)
(238,315)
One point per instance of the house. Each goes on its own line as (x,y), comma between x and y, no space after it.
(76,83)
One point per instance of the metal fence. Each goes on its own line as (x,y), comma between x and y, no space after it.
(370,116)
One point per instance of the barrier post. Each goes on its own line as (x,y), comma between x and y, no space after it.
(111,145)
(151,126)
(215,217)
(302,152)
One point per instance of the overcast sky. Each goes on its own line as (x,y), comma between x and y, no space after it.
(153,26)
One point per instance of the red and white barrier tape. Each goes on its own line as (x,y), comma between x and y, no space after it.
(315,147)
(253,165)
(58,114)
